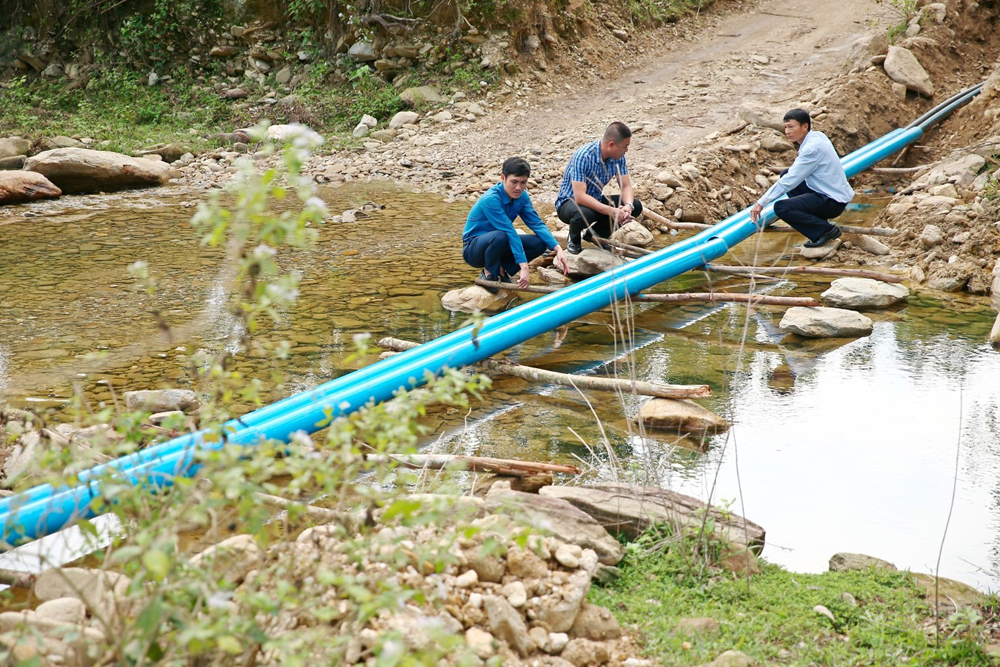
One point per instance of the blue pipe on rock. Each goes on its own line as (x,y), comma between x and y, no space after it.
(45,509)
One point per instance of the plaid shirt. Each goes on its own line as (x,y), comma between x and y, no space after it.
(586,166)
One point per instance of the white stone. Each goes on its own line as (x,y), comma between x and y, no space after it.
(903,67)
(403,118)
(481,642)
(568,555)
(475,298)
(864,293)
(821,322)
(370,121)
(516,594)
(633,233)
(361,130)
(467,579)
(63,610)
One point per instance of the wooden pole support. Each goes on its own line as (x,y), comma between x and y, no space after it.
(579,381)
(819,270)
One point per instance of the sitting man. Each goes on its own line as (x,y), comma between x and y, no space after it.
(581,203)
(816,184)
(490,241)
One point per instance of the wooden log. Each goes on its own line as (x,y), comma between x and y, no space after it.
(17,579)
(579,381)
(726,297)
(313,512)
(681,297)
(624,248)
(847,229)
(476,464)
(819,270)
(897,170)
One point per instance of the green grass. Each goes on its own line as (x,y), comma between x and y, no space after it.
(774,623)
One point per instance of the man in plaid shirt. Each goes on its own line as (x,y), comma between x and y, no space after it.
(581,203)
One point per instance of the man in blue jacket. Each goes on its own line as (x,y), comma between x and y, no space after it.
(490,241)
(816,184)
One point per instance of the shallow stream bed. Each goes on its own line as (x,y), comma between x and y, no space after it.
(837,445)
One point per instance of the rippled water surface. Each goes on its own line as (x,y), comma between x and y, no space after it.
(839,445)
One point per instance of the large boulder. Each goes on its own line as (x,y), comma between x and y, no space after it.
(821,322)
(162,400)
(12,163)
(629,510)
(13,146)
(403,118)
(362,52)
(864,293)
(475,298)
(591,261)
(555,516)
(845,561)
(903,67)
(22,186)
(84,170)
(680,415)
(422,95)
(633,233)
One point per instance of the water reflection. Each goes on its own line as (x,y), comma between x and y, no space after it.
(843,445)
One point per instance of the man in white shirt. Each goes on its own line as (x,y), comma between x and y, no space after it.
(816,184)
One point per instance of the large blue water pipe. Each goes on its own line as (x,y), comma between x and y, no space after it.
(44,509)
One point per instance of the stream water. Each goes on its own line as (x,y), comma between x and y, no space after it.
(837,445)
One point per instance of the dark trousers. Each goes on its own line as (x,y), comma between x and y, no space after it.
(578,217)
(807,211)
(492,252)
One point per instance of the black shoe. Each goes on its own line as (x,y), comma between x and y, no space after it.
(573,247)
(485,276)
(834,233)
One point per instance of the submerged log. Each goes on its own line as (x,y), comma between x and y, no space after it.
(578,381)
(819,270)
(511,467)
(629,510)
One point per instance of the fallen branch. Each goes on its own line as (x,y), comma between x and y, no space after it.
(897,170)
(854,273)
(681,297)
(579,381)
(475,464)
(16,579)
(847,229)
(318,513)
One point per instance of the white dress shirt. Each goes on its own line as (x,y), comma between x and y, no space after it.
(819,166)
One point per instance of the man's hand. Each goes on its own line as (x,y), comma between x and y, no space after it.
(561,260)
(755,213)
(524,277)
(623,213)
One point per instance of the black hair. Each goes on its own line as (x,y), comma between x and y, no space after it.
(516,166)
(617,132)
(800,116)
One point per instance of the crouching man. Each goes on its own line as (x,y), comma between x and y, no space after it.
(491,242)
(816,184)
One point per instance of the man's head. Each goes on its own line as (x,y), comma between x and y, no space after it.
(515,173)
(797,125)
(614,143)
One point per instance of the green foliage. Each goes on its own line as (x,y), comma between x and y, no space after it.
(654,12)
(905,10)
(773,621)
(288,603)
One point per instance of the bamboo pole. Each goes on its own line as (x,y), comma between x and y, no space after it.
(820,270)
(897,170)
(318,513)
(475,464)
(847,229)
(579,381)
(681,297)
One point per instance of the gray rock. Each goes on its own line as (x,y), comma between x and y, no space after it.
(370,121)
(732,658)
(633,233)
(931,236)
(552,275)
(558,610)
(63,142)
(558,517)
(161,400)
(695,626)
(682,416)
(360,130)
(63,610)
(53,71)
(581,652)
(84,170)
(868,244)
(385,136)
(422,95)
(596,623)
(362,52)
(14,146)
(821,322)
(826,250)
(864,293)
(12,163)
(775,143)
(31,60)
(844,561)
(230,559)
(283,76)
(506,623)
(475,298)
(592,261)
(99,590)
(903,67)
(629,510)
(762,117)
(152,79)
(23,186)
(403,118)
